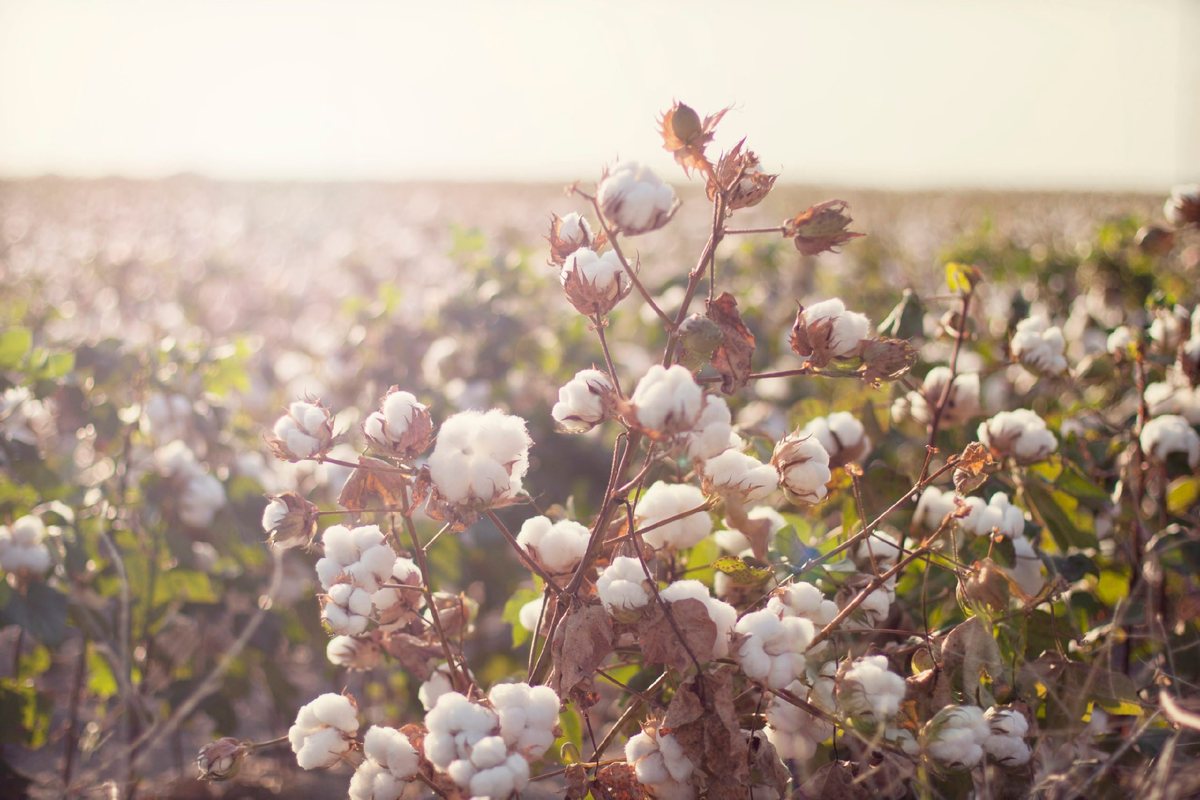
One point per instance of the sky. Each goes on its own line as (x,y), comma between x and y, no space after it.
(1056,94)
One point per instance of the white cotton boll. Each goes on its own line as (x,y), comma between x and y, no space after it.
(582,401)
(980,517)
(803,467)
(712,431)
(962,404)
(605,271)
(346,609)
(1007,751)
(871,691)
(357,654)
(794,732)
(1021,434)
(455,725)
(933,507)
(1039,347)
(955,736)
(658,761)
(22,549)
(803,600)
(634,199)
(622,588)
(667,401)
(199,500)
(574,229)
(1006,722)
(841,435)
(480,459)
(734,541)
(361,554)
(1167,398)
(489,752)
(1168,328)
(1169,434)
(527,716)
(1010,519)
(323,731)
(1027,569)
(438,684)
(737,474)
(274,514)
(664,500)
(774,648)
(530,613)
(847,328)
(399,411)
(392,760)
(723,615)
(166,417)
(1120,340)
(872,611)
(557,546)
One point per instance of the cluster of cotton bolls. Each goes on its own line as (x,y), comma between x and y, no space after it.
(357,562)
(487,751)
(390,766)
(1039,347)
(200,494)
(22,551)
(1020,435)
(665,500)
(324,731)
(962,403)
(480,458)
(958,737)
(555,546)
(660,764)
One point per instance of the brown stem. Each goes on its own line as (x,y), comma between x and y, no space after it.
(368,467)
(630,713)
(72,738)
(936,421)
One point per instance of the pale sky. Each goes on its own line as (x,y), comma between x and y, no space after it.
(1100,94)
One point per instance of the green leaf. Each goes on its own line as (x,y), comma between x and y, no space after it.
(1182,494)
(101,680)
(14,344)
(512,614)
(1053,507)
(41,611)
(24,714)
(1074,482)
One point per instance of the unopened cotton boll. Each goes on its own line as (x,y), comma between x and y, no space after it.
(555,546)
(480,459)
(842,436)
(323,731)
(869,690)
(360,554)
(827,330)
(734,474)
(665,500)
(723,615)
(304,432)
(583,402)
(1019,434)
(774,649)
(711,434)
(667,402)
(803,467)
(391,764)
(347,609)
(22,550)
(954,737)
(1039,347)
(634,199)
(1169,434)
(622,587)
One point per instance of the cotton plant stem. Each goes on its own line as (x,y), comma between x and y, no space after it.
(947,390)
(368,467)
(600,324)
(634,709)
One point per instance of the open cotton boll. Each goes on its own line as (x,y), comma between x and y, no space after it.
(954,737)
(663,501)
(480,458)
(1167,398)
(402,428)
(530,613)
(574,229)
(1169,434)
(527,714)
(622,587)
(391,763)
(870,690)
(360,554)
(711,434)
(1028,567)
(933,507)
(1019,434)
(22,550)
(1119,341)
(583,402)
(802,600)
(556,546)
(793,731)
(347,609)
(323,731)
(803,467)
(605,272)
(842,436)
(634,199)
(667,402)
(354,653)
(723,615)
(774,649)
(455,726)
(1169,328)
(875,607)
(396,606)
(1039,347)
(658,761)
(304,432)
(201,497)
(438,684)
(734,474)
(961,405)
(829,327)
(734,541)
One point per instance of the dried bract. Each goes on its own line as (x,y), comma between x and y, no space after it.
(821,228)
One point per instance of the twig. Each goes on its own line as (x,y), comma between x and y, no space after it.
(612,371)
(936,420)
(629,714)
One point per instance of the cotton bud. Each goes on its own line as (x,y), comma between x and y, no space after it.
(723,615)
(1169,434)
(635,200)
(700,337)
(842,436)
(289,520)
(1120,340)
(660,763)
(568,234)
(361,555)
(391,764)
(1155,240)
(306,431)
(961,404)
(324,731)
(713,432)
(821,228)
(803,467)
(1183,206)
(666,402)
(346,608)
(869,691)
(985,586)
(594,284)
(624,589)
(556,546)
(584,402)
(401,429)
(21,549)
(396,607)
(734,474)
(221,760)
(826,331)
(665,500)
(1039,347)
(773,649)
(954,737)
(480,459)
(355,652)
(1019,434)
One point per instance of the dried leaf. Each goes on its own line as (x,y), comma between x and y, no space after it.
(662,645)
(583,640)
(704,721)
(834,781)
(968,652)
(618,782)
(414,655)
(821,228)
(576,782)
(368,482)
(732,358)
(766,767)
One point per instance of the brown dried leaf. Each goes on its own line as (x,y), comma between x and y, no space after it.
(619,782)
(413,654)
(812,341)
(576,782)
(758,531)
(704,721)
(766,767)
(583,640)
(660,643)
(834,781)
(732,358)
(821,228)
(968,652)
(368,481)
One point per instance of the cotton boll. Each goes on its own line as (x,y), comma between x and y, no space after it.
(304,432)
(665,500)
(933,507)
(842,436)
(438,684)
(200,499)
(346,608)
(1019,434)
(1169,434)
(667,402)
(574,229)
(22,550)
(530,613)
(723,615)
(1167,398)
(827,327)
(793,731)
(1039,347)
(659,762)
(803,467)
(360,554)
(166,417)
(711,434)
(584,401)
(556,546)
(774,649)
(594,283)
(527,716)
(455,725)
(802,600)
(1007,751)
(634,199)
(870,691)
(955,736)
(323,731)
(622,588)
(962,403)
(402,428)
(480,459)
(391,763)
(734,474)
(1119,341)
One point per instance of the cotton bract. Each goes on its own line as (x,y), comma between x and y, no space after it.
(664,500)
(480,459)
(323,731)
(635,200)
